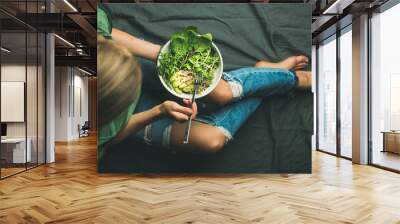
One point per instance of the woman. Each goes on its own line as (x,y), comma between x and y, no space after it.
(160,123)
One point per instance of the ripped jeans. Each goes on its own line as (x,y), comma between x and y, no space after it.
(248,86)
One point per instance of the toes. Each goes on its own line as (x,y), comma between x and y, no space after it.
(300,66)
(301,62)
(301,59)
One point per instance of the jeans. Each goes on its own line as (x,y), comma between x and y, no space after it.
(249,86)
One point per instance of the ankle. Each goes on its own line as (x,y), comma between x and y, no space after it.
(303,80)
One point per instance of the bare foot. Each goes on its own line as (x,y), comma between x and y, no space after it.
(305,79)
(292,62)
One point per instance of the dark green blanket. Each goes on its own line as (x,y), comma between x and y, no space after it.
(277,138)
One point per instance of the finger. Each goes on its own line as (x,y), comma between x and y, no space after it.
(303,58)
(194,108)
(179,116)
(182,109)
(187,101)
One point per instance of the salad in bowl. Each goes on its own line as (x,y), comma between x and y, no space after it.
(187,56)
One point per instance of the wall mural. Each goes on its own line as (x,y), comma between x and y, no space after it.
(204,88)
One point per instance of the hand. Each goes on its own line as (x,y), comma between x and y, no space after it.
(194,106)
(178,112)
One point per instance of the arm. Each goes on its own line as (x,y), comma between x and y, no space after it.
(139,47)
(137,122)
(169,108)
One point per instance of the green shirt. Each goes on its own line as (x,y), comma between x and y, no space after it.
(111,129)
(104,25)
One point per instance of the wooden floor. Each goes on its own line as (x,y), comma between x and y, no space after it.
(8,171)
(71,191)
(5,172)
(387,159)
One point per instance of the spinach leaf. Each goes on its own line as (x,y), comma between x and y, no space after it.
(190,53)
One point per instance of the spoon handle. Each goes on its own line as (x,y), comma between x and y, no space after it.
(189,122)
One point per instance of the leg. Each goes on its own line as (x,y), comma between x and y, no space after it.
(290,63)
(304,79)
(210,132)
(293,63)
(204,138)
(260,82)
(221,95)
(226,90)
(166,133)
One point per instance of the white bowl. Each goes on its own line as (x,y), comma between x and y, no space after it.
(217,76)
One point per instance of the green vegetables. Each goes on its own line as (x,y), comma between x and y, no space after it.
(189,54)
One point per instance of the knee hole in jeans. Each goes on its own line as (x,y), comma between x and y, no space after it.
(236,89)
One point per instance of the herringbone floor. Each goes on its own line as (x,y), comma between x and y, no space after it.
(71,191)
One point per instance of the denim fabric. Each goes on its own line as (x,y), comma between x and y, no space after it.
(232,116)
(153,93)
(158,132)
(249,86)
(260,82)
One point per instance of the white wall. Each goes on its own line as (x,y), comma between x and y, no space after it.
(71,94)
(80,102)
(33,127)
(62,81)
(12,73)
(16,73)
(13,101)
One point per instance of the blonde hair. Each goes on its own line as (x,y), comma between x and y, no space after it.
(118,79)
